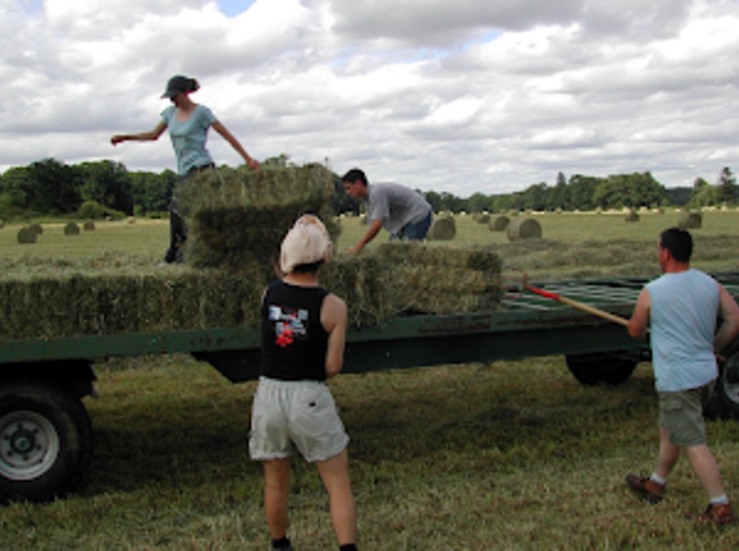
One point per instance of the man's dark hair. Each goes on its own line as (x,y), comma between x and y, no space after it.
(311,268)
(353,175)
(679,242)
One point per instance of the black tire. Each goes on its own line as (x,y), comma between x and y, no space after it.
(725,401)
(610,368)
(45,441)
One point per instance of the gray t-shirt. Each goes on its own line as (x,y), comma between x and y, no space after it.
(395,205)
(188,137)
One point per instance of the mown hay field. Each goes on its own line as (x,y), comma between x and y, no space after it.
(508,455)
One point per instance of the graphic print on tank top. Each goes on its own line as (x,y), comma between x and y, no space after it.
(290,324)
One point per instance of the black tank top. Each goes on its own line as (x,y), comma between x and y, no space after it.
(294,342)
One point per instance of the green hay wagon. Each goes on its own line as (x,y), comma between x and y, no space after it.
(45,431)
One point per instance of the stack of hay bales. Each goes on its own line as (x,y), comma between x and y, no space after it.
(523,228)
(499,223)
(690,220)
(236,226)
(237,216)
(444,228)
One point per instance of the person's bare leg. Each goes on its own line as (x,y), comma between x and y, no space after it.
(706,469)
(667,456)
(335,475)
(276,488)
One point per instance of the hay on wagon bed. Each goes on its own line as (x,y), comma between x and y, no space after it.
(690,220)
(523,228)
(109,294)
(236,216)
(444,228)
(499,223)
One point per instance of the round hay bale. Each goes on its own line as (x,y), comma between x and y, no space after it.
(89,225)
(482,218)
(512,213)
(27,235)
(71,229)
(523,228)
(37,228)
(499,223)
(444,228)
(2,224)
(632,216)
(690,220)
(131,220)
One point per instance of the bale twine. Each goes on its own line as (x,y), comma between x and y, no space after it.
(71,229)
(690,220)
(89,225)
(27,235)
(632,216)
(444,228)
(523,228)
(38,228)
(499,223)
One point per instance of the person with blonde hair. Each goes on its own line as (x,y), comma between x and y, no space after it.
(188,123)
(303,331)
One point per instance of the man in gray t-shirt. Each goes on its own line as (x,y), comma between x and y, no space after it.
(404,213)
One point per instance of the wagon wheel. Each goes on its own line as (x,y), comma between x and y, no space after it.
(725,402)
(612,368)
(45,441)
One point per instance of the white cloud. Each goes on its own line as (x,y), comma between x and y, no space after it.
(475,96)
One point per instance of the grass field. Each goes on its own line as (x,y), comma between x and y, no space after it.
(508,455)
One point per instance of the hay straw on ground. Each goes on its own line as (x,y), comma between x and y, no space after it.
(499,223)
(444,228)
(690,220)
(523,228)
(27,235)
(71,229)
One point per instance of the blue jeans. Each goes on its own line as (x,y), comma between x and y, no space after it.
(415,231)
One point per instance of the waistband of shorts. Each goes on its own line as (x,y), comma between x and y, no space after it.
(267,381)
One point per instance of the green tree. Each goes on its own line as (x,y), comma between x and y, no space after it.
(108,184)
(727,187)
(153,192)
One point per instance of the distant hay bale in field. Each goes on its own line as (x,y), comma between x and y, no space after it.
(513,213)
(690,220)
(38,228)
(481,218)
(558,210)
(27,235)
(131,220)
(89,225)
(2,224)
(632,216)
(71,229)
(523,228)
(499,223)
(235,216)
(444,228)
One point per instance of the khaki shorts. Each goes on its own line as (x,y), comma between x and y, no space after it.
(681,415)
(295,414)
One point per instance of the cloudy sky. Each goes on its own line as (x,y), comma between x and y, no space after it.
(465,96)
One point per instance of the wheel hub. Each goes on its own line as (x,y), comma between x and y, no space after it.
(29,445)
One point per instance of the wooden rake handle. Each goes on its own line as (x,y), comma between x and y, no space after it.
(579,305)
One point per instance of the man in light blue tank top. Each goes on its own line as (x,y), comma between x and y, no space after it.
(681,309)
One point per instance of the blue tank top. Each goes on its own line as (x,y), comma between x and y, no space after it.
(684,310)
(294,342)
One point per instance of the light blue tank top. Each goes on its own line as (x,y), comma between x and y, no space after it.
(684,309)
(188,137)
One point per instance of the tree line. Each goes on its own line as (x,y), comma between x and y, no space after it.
(106,188)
